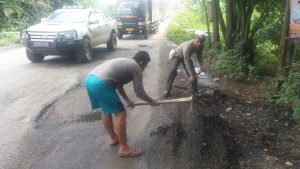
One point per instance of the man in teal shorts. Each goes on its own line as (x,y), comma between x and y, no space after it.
(101,85)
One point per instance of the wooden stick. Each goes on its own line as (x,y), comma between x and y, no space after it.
(183,87)
(179,100)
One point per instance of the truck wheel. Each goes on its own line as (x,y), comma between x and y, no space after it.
(112,43)
(146,34)
(84,52)
(34,57)
(120,35)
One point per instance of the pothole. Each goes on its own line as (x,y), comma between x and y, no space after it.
(91,117)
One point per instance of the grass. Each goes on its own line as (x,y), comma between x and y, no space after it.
(8,39)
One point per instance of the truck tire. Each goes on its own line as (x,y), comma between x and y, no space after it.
(84,52)
(146,32)
(112,43)
(34,57)
(120,35)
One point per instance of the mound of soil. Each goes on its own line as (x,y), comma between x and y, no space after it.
(230,126)
(248,133)
(226,131)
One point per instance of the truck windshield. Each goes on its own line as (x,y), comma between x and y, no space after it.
(130,8)
(67,17)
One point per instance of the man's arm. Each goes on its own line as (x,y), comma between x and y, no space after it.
(187,61)
(122,92)
(200,59)
(139,88)
(151,101)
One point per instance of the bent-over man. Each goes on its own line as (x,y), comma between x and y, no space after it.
(182,55)
(101,85)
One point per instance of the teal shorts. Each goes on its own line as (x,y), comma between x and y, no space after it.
(103,96)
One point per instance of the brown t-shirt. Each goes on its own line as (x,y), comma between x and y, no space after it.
(185,51)
(120,71)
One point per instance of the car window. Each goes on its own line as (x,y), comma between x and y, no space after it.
(67,17)
(100,16)
(92,17)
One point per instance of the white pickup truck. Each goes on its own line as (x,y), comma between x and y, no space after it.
(69,31)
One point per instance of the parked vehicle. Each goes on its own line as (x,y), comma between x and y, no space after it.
(69,31)
(137,17)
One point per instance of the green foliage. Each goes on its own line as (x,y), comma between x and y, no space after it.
(265,60)
(6,39)
(18,14)
(269,89)
(231,63)
(290,89)
(269,35)
(177,35)
(188,19)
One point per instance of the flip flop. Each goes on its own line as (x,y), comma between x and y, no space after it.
(115,143)
(133,152)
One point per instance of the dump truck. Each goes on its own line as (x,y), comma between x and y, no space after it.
(137,17)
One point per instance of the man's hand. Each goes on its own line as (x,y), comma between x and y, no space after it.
(191,79)
(129,103)
(154,103)
(202,69)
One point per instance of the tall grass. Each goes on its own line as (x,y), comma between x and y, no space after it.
(7,39)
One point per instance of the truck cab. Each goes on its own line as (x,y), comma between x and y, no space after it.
(136,17)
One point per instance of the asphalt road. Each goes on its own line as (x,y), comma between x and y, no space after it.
(46,120)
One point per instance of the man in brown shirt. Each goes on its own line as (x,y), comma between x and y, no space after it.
(102,84)
(182,54)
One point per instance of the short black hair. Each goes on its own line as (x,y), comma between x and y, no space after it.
(200,38)
(142,56)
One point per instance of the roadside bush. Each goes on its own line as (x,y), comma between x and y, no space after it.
(265,60)
(177,35)
(188,19)
(289,91)
(232,63)
(7,39)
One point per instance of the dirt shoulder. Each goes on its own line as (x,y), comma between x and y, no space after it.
(10,47)
(230,126)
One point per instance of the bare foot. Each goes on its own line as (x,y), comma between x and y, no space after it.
(114,143)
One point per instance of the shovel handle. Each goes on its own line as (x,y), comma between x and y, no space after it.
(180,100)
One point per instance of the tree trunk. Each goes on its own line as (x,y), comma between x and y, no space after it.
(207,23)
(284,35)
(221,21)
(216,35)
(283,47)
(229,24)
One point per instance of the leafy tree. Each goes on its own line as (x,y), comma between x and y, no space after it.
(18,14)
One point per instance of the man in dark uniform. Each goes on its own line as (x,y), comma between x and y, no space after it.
(182,54)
